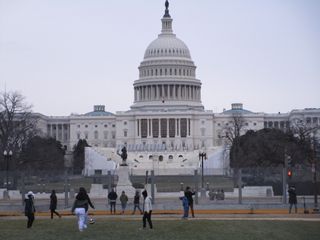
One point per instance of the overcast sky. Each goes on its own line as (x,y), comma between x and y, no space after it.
(65,56)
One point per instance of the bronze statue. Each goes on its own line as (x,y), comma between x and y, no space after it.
(167,4)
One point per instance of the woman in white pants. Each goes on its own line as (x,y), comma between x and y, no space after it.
(79,208)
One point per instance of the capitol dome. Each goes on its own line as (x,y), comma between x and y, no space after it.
(167,45)
(167,75)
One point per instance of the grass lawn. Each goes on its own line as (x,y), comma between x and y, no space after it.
(66,228)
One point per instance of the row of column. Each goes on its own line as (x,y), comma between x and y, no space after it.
(53,130)
(163,127)
(165,91)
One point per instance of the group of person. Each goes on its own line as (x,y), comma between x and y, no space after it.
(82,202)
(217,194)
(29,208)
(187,202)
(113,196)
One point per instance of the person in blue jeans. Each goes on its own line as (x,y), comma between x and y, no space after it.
(185,205)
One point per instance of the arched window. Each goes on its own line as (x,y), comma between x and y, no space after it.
(160,158)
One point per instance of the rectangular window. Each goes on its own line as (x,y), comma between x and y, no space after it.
(183,127)
(265,125)
(314,120)
(144,128)
(172,127)
(282,124)
(308,120)
(163,123)
(105,134)
(155,128)
(178,127)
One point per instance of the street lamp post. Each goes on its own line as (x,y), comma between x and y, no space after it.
(202,156)
(314,171)
(7,156)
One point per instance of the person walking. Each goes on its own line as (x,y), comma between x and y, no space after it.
(147,210)
(136,203)
(29,208)
(53,204)
(123,200)
(292,198)
(112,197)
(80,208)
(189,195)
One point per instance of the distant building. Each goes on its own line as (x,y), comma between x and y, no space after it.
(167,115)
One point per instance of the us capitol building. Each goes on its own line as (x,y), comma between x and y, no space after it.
(167,125)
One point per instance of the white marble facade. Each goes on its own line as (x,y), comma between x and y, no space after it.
(167,114)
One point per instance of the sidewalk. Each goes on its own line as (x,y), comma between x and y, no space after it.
(168,206)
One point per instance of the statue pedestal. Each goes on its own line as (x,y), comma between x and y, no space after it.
(124,183)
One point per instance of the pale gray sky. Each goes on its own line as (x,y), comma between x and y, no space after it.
(65,56)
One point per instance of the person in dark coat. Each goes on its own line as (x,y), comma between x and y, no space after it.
(188,193)
(292,198)
(53,204)
(136,202)
(29,209)
(112,197)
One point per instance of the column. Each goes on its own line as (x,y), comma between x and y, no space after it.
(135,94)
(174,92)
(157,91)
(162,86)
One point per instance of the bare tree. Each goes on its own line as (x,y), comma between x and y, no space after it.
(232,132)
(234,129)
(17,124)
(305,130)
